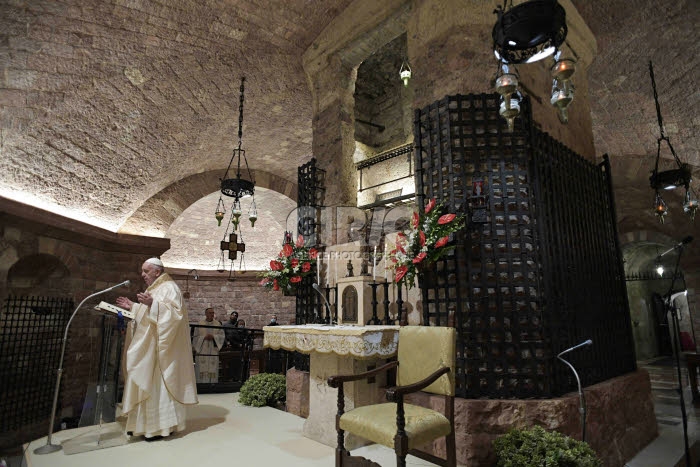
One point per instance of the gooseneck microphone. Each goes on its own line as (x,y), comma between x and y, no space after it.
(581,397)
(680,244)
(48,447)
(584,343)
(325,300)
(123,284)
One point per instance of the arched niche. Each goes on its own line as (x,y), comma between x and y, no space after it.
(39,274)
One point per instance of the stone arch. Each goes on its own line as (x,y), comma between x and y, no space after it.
(38,274)
(156,214)
(640,250)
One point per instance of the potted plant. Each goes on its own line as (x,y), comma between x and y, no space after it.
(537,447)
(264,389)
(424,242)
(294,261)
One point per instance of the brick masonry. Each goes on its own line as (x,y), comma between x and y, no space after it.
(620,418)
(80,259)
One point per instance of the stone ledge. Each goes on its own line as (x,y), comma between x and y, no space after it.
(47,224)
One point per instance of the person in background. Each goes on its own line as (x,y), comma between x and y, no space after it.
(206,343)
(160,377)
(273,321)
(228,325)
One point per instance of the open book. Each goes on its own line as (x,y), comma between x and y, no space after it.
(104,306)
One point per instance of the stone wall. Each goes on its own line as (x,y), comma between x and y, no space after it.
(255,304)
(79,260)
(84,259)
(298,392)
(620,420)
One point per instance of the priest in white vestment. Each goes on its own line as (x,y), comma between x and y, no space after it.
(160,378)
(206,344)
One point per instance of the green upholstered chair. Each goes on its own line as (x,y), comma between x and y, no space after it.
(426,362)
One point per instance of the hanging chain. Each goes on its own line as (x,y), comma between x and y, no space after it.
(656,101)
(663,136)
(240,113)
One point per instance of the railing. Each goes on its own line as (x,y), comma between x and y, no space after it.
(234,349)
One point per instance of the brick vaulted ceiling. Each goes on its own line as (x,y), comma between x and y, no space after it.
(104,104)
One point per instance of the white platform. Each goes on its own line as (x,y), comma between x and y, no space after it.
(219,432)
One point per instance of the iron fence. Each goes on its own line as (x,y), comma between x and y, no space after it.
(538,268)
(31,333)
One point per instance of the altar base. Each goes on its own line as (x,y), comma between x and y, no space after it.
(323,399)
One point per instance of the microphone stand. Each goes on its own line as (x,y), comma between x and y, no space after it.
(582,399)
(48,447)
(328,307)
(669,298)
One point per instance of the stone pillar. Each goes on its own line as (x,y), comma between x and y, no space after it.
(451,52)
(331,64)
(334,129)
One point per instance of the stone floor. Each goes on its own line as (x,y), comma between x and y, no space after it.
(247,437)
(668,449)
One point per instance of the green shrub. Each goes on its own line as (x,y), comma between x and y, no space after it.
(264,389)
(537,447)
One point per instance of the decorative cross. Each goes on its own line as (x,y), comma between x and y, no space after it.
(232,246)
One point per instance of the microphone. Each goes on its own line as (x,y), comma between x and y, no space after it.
(123,284)
(680,244)
(588,342)
(581,395)
(325,300)
(677,294)
(48,447)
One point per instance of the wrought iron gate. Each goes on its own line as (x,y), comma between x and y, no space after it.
(31,332)
(538,268)
(311,189)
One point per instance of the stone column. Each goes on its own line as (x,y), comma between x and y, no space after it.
(331,64)
(333,87)
(450,48)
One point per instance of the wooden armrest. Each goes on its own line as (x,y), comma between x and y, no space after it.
(397,392)
(336,380)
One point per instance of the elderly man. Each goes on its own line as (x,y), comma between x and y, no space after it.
(207,342)
(160,375)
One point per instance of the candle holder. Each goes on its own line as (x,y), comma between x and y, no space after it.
(387,302)
(329,318)
(335,303)
(375,319)
(399,302)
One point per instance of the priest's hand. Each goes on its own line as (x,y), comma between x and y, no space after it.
(124,302)
(145,298)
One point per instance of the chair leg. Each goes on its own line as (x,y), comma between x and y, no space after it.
(339,454)
(451,448)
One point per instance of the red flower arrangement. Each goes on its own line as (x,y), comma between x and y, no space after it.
(293,262)
(424,243)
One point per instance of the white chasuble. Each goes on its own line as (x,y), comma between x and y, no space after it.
(207,351)
(160,376)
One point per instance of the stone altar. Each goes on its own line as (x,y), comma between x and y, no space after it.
(336,350)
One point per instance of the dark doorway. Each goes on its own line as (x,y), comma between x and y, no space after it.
(663,333)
